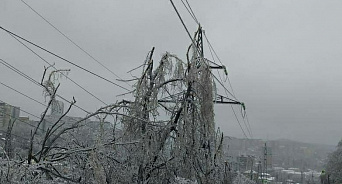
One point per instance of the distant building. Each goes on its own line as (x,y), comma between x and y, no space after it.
(8,113)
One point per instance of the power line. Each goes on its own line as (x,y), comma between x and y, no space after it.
(38,84)
(192,12)
(23,111)
(193,42)
(30,99)
(34,101)
(26,113)
(56,69)
(68,38)
(27,122)
(78,66)
(22,94)
(212,48)
(237,119)
(249,124)
(226,90)
(221,81)
(248,128)
(50,122)
(26,97)
(18,71)
(186,29)
(35,82)
(196,20)
(189,11)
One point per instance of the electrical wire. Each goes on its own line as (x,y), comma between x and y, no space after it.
(212,48)
(249,124)
(18,71)
(56,69)
(186,29)
(27,122)
(244,121)
(22,94)
(68,38)
(60,57)
(37,83)
(243,118)
(248,130)
(23,111)
(191,12)
(37,100)
(237,119)
(192,15)
(221,83)
(232,94)
(193,42)
(50,122)
(32,100)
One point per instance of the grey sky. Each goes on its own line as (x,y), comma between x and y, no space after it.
(283,56)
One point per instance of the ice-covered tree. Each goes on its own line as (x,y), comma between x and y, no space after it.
(165,132)
(334,165)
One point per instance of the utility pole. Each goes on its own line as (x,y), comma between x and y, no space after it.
(259,170)
(265,160)
(199,42)
(252,168)
(301,176)
(197,60)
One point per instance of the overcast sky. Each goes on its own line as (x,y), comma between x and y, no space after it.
(283,56)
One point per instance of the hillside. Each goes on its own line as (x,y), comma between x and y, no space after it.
(284,153)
